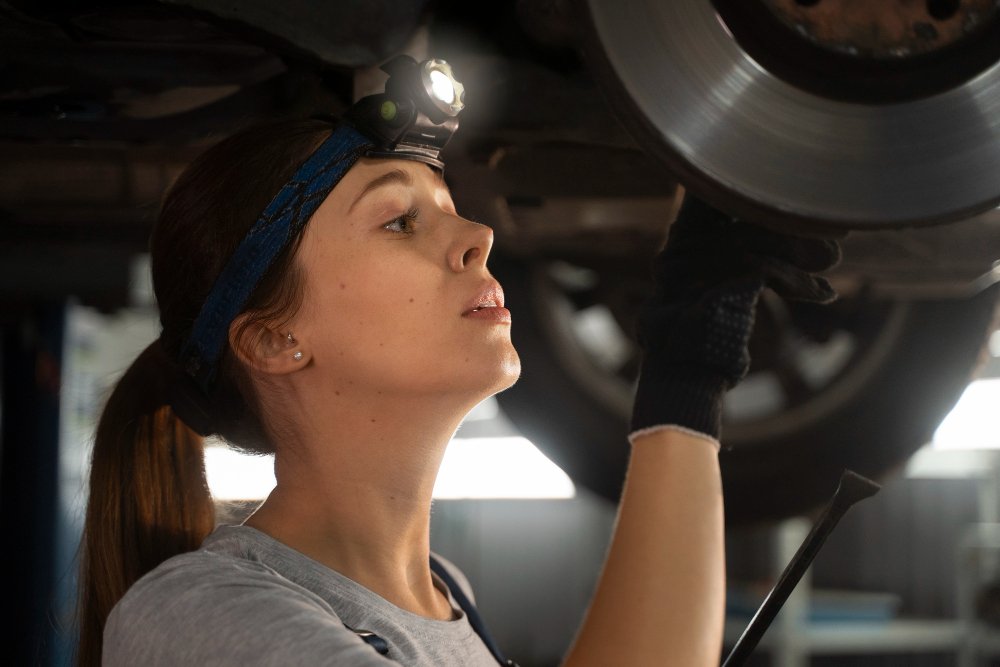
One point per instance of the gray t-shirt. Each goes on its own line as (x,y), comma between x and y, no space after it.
(245,598)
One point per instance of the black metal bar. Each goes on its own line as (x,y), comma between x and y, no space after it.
(852,488)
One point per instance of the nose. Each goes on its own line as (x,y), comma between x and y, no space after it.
(471,246)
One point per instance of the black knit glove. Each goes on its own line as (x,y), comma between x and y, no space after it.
(695,327)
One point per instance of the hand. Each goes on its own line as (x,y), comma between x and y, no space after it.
(694,329)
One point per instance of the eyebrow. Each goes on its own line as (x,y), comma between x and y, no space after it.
(396,176)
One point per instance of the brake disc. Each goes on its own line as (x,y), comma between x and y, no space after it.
(838,113)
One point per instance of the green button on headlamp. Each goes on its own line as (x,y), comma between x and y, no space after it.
(388,110)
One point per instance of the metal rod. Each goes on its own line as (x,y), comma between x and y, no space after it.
(852,488)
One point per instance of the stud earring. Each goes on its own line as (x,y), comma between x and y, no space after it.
(297,356)
(291,338)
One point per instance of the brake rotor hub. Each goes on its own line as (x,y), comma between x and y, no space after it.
(812,126)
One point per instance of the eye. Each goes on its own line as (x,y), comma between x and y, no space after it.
(404,223)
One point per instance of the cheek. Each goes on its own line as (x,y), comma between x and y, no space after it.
(392,317)
(380,311)
(361,302)
(406,335)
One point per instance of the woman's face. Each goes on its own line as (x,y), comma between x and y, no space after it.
(390,271)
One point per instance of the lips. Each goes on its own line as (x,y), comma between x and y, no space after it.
(491,295)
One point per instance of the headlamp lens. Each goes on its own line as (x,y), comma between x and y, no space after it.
(442,86)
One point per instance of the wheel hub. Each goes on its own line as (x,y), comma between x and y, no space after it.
(781,127)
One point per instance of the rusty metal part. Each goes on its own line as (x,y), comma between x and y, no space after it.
(886,29)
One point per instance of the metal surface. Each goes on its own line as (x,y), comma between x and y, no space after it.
(852,488)
(758,146)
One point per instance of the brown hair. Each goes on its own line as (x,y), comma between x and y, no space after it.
(149,499)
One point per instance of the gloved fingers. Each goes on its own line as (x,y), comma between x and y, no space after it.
(701,230)
(714,329)
(684,277)
(730,241)
(790,282)
(809,254)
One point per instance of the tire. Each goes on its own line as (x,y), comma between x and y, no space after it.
(859,384)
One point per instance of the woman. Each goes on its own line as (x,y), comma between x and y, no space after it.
(360,341)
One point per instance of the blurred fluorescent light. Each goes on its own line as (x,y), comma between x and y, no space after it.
(932,463)
(485,410)
(974,423)
(235,476)
(510,467)
(472,468)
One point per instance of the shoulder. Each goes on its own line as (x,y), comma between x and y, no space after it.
(213,578)
(209,608)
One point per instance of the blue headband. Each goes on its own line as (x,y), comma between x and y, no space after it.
(281,221)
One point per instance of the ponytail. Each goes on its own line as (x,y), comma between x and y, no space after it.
(149,498)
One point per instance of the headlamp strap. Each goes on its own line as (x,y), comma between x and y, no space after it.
(281,221)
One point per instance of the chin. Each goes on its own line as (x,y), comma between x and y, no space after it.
(507,372)
(507,381)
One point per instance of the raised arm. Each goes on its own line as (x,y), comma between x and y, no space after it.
(661,596)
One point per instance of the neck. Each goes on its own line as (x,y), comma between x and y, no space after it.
(354,492)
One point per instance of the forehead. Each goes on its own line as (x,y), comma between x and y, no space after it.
(408,172)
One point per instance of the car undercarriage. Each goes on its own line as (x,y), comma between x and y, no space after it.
(586,123)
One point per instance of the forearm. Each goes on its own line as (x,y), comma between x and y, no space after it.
(661,596)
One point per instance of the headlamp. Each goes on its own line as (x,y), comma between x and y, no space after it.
(416,115)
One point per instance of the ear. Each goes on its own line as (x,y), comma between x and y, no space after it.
(265,349)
